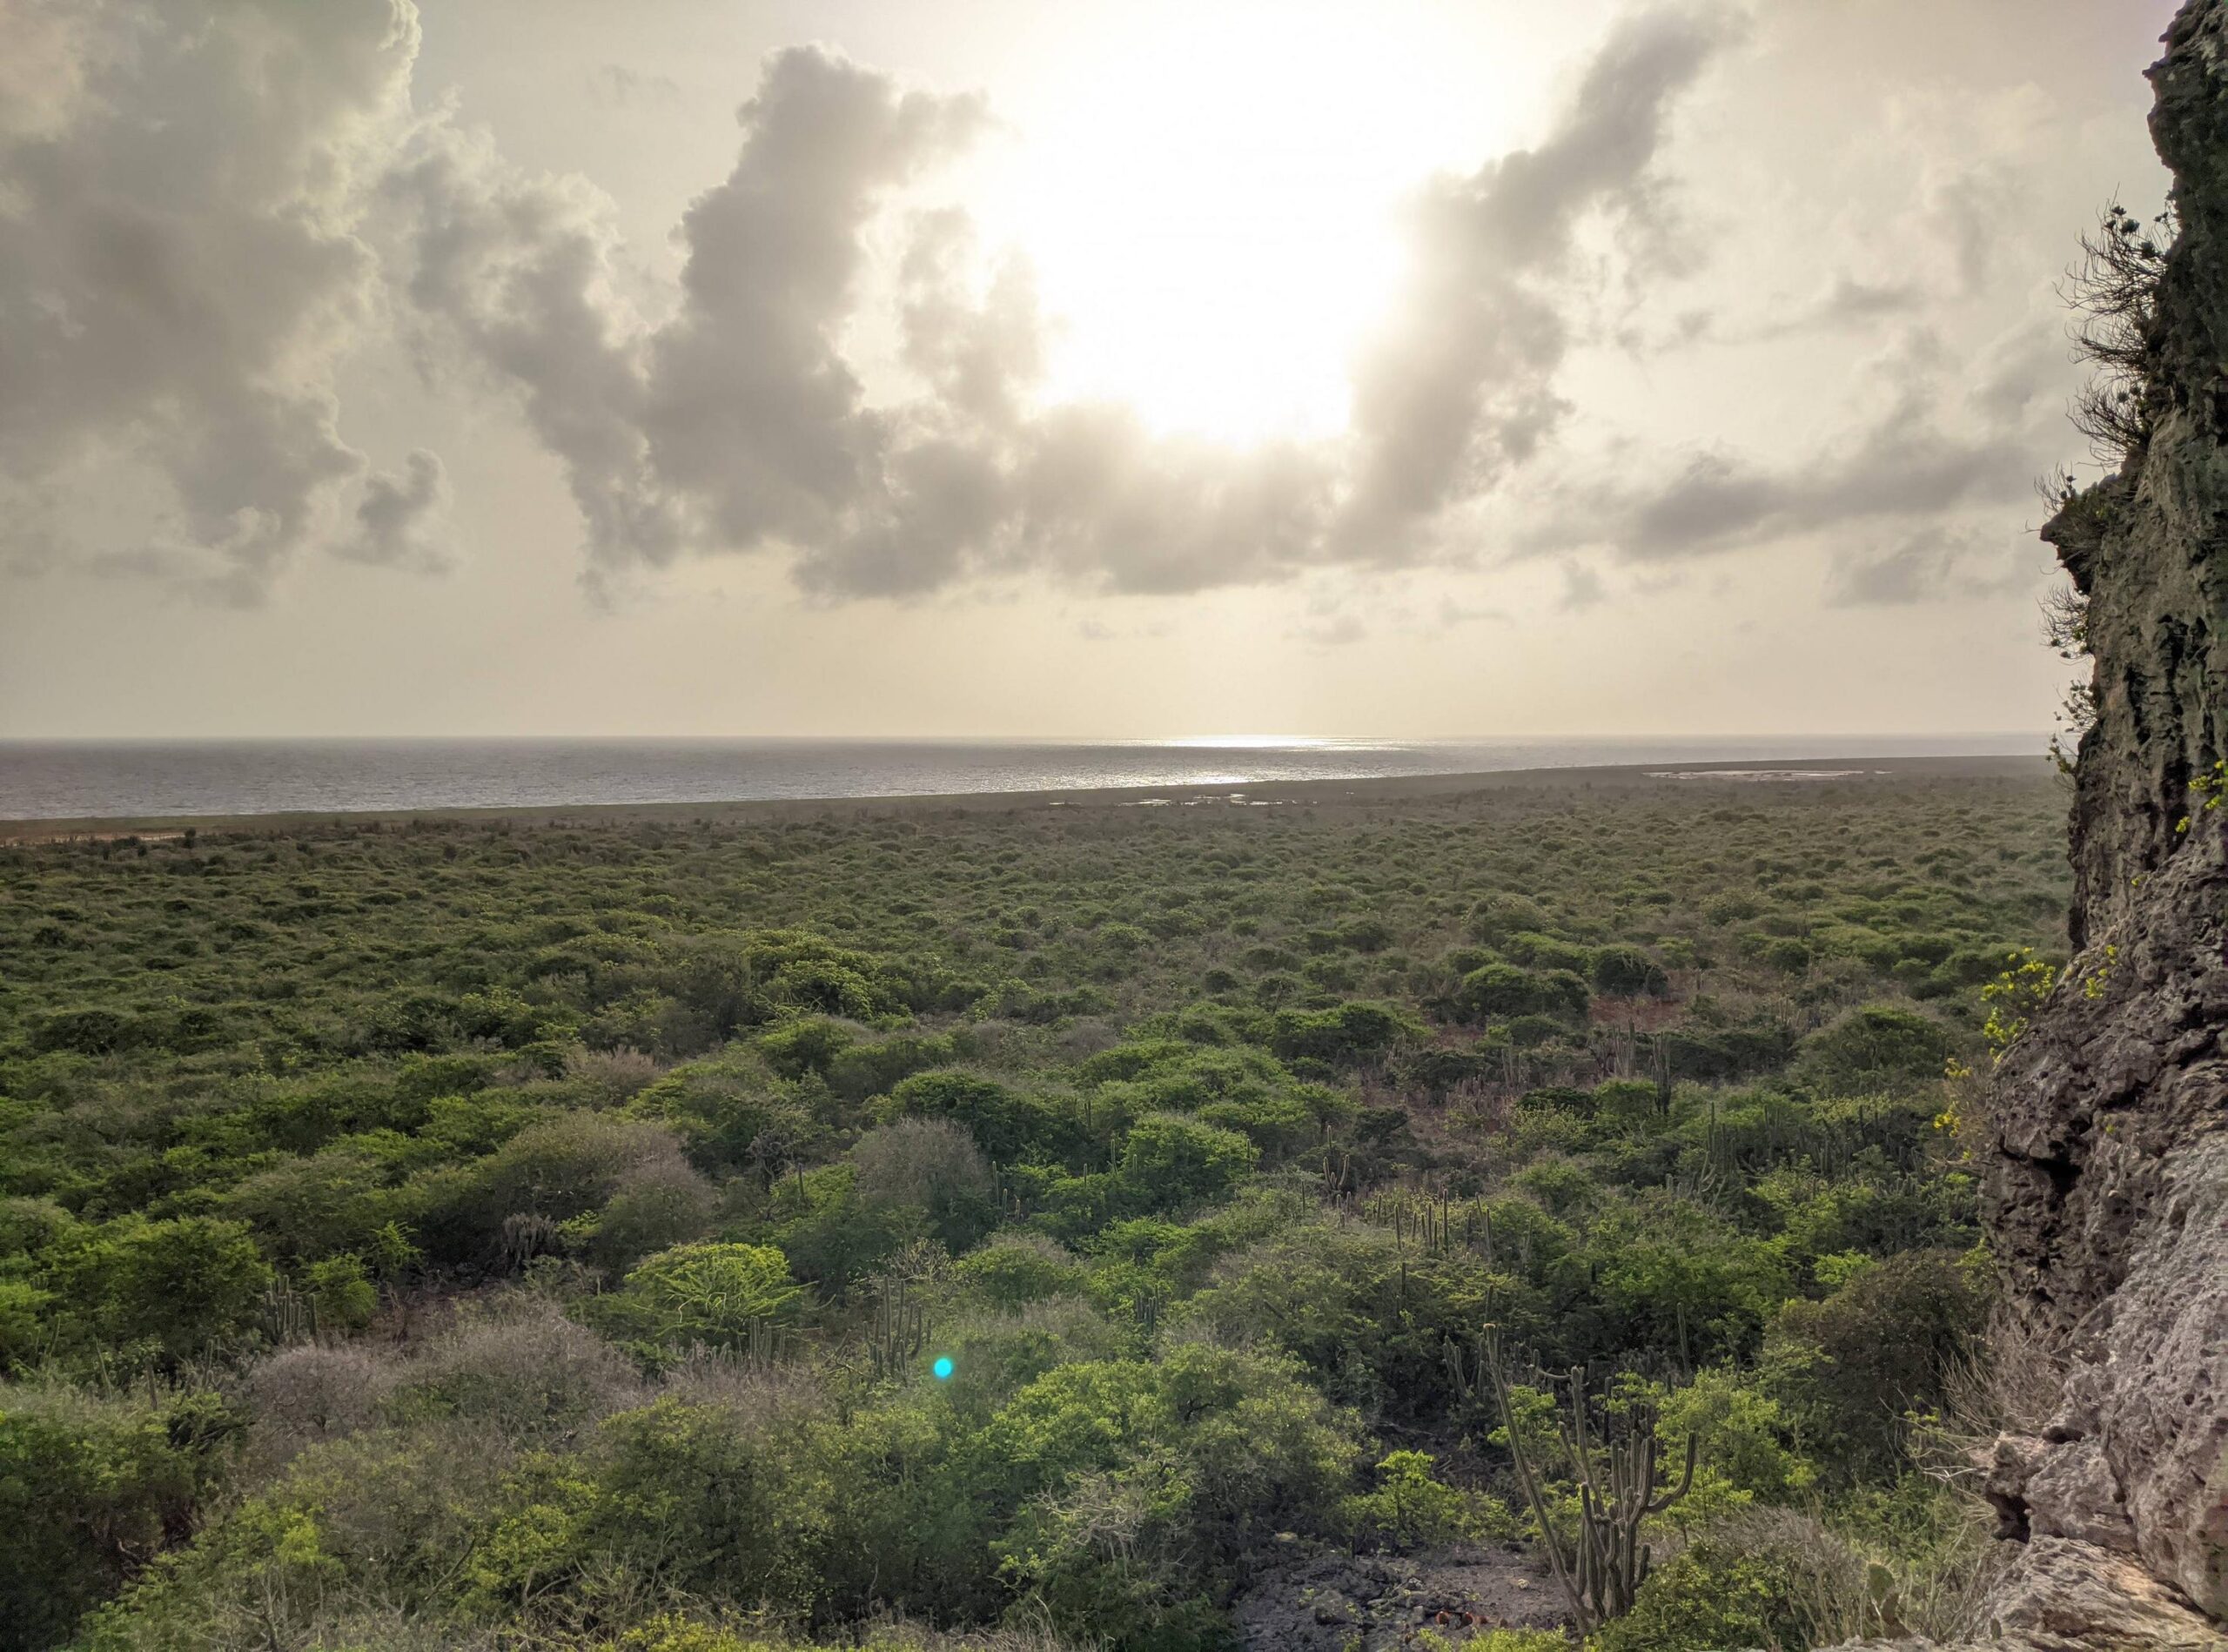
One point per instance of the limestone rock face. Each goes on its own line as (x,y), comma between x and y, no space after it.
(2105,1175)
(2064,1595)
(2107,1199)
(2144,546)
(2067,1596)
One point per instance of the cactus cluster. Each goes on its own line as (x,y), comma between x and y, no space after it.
(1601,1566)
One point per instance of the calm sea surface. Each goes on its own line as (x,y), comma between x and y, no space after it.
(55,780)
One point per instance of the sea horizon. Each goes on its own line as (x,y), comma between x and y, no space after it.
(59,778)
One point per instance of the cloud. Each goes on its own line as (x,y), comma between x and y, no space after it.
(737,422)
(400,522)
(1336,632)
(737,425)
(615,86)
(978,356)
(179,270)
(204,215)
(1331,623)
(43,73)
(524,273)
(1582,589)
(1462,387)
(1851,302)
(1717,502)
(1927,566)
(753,411)
(1452,613)
(1928,444)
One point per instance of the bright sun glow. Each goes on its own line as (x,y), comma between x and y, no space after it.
(1210,200)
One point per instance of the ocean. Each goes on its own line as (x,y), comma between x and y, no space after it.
(51,780)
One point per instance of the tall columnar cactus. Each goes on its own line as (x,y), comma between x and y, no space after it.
(900,1329)
(1600,1569)
(765,1344)
(288,1315)
(527,1235)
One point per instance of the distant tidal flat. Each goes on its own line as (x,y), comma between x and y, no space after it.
(54,779)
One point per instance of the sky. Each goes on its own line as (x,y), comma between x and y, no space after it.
(1096,370)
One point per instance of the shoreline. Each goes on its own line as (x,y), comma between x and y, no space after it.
(1375,790)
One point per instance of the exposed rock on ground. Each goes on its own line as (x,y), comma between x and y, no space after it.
(1325,1601)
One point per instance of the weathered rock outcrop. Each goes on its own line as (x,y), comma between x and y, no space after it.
(2146,547)
(2105,1175)
(2066,1596)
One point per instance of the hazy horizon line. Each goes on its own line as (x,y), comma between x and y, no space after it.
(1232,740)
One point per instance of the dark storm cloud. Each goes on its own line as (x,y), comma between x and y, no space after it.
(179,267)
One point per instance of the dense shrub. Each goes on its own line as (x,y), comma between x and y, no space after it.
(1004,1124)
(1495,918)
(715,1294)
(90,1489)
(1883,1346)
(1875,1049)
(1016,1269)
(183,1286)
(1345,1033)
(1170,1160)
(1627,972)
(1716,1593)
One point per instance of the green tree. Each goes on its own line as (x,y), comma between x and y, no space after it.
(1885,1344)
(1712,1595)
(1627,972)
(1686,1284)
(1744,1433)
(1409,1509)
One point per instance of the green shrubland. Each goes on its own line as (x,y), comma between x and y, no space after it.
(455,1235)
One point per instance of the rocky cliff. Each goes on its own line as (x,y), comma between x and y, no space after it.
(2105,1166)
